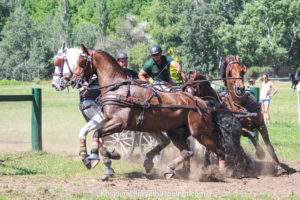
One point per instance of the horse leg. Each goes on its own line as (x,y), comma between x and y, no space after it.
(163,141)
(96,121)
(179,139)
(264,133)
(210,145)
(260,153)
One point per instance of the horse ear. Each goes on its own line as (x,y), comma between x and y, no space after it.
(237,58)
(244,69)
(84,50)
(227,59)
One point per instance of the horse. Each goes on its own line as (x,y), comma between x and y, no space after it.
(65,63)
(294,81)
(238,99)
(200,86)
(129,105)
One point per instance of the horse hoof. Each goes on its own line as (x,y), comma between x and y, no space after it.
(169,176)
(109,171)
(280,171)
(87,163)
(260,153)
(169,173)
(94,163)
(148,165)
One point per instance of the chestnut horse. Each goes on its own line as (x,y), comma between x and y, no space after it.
(238,99)
(129,105)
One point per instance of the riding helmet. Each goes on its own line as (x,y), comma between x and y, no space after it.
(155,49)
(121,55)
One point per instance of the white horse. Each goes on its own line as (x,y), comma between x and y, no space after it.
(65,63)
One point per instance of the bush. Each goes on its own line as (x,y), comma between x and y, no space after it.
(10,82)
(255,72)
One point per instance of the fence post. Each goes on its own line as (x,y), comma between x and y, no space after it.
(36,124)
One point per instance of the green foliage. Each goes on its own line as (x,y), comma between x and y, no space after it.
(138,55)
(262,32)
(201,48)
(39,9)
(10,82)
(164,22)
(265,33)
(255,72)
(18,35)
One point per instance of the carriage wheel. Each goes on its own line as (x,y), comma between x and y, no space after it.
(122,142)
(146,143)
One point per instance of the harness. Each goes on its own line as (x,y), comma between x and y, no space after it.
(143,104)
(60,61)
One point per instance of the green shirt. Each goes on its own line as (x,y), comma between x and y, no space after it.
(153,69)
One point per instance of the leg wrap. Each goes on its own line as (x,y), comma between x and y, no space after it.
(82,151)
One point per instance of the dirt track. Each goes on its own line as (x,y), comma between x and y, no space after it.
(139,184)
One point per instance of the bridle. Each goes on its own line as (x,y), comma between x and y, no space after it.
(233,80)
(84,61)
(59,61)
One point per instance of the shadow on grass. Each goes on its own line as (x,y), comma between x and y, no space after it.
(15,171)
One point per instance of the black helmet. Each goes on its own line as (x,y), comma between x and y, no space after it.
(155,49)
(121,55)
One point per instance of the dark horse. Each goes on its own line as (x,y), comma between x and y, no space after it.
(129,105)
(238,99)
(293,80)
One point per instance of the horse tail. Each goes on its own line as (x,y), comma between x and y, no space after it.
(227,129)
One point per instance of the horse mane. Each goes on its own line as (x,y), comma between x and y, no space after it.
(110,56)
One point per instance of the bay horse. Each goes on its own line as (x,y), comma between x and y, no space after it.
(293,80)
(129,105)
(65,62)
(239,100)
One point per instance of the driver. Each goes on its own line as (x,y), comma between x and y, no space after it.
(122,59)
(158,66)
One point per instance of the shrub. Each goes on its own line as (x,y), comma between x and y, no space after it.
(255,72)
(10,82)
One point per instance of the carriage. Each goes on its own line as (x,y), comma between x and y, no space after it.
(126,142)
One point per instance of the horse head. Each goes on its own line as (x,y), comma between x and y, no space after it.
(83,69)
(198,85)
(189,85)
(98,62)
(64,62)
(234,74)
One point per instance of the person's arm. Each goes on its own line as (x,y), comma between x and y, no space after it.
(176,65)
(274,88)
(142,75)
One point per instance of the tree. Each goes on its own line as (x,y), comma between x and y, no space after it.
(201,48)
(18,34)
(266,33)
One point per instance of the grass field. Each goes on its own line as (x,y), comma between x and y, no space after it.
(62,120)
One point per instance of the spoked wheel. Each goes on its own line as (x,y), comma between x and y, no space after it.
(146,143)
(122,142)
